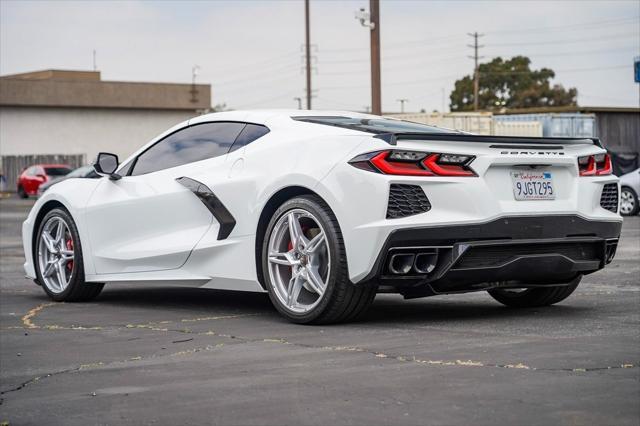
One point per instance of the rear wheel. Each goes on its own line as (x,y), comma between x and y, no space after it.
(628,202)
(58,260)
(534,297)
(305,267)
(22,193)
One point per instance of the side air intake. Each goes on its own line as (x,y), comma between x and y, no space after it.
(609,197)
(406,200)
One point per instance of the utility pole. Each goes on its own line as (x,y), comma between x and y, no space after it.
(371,20)
(308,52)
(376,101)
(194,91)
(402,101)
(299,99)
(476,73)
(95,66)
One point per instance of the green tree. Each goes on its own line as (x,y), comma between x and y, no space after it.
(511,83)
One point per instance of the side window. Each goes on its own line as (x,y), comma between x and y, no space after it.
(249,134)
(31,171)
(194,143)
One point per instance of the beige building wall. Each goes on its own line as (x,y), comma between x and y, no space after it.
(51,130)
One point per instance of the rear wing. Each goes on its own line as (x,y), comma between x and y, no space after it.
(500,141)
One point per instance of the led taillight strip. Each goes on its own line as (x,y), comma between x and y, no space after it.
(397,167)
(422,164)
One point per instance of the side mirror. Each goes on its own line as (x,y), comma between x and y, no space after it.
(41,177)
(106,165)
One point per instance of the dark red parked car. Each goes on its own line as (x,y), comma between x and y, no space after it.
(32,177)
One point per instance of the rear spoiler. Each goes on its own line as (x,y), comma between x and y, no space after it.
(501,141)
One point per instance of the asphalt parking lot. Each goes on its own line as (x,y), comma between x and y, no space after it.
(148,355)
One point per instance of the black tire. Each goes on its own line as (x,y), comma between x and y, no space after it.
(342,300)
(634,197)
(22,193)
(77,290)
(534,297)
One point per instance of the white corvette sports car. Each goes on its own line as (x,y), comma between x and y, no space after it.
(323,210)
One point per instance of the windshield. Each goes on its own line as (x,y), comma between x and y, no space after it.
(56,171)
(374,125)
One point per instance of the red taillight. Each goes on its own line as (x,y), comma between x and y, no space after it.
(413,163)
(603,165)
(395,167)
(595,165)
(434,162)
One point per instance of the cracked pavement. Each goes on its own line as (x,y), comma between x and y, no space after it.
(154,355)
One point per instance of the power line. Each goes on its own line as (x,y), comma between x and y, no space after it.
(452,76)
(263,101)
(253,65)
(588,26)
(578,53)
(259,73)
(591,25)
(581,40)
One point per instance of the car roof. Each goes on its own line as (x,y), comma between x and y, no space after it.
(274,116)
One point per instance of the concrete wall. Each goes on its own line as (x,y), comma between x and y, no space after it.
(46,130)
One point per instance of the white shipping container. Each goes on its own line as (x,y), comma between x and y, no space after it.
(573,125)
(517,128)
(481,123)
(472,122)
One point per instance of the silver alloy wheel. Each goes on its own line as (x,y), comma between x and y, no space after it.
(627,202)
(56,254)
(299,260)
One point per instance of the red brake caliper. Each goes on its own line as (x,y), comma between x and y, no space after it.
(69,244)
(290,246)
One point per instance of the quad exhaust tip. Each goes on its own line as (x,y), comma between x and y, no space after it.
(425,263)
(419,263)
(401,264)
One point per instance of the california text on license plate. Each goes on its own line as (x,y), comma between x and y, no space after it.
(533,185)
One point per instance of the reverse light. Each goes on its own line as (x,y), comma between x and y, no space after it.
(595,165)
(415,163)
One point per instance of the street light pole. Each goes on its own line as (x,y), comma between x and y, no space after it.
(402,102)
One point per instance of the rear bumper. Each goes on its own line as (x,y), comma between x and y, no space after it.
(535,250)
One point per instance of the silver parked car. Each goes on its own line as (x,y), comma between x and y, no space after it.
(630,184)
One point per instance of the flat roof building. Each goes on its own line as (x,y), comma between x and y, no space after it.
(70,116)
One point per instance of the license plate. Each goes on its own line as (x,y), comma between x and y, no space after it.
(533,185)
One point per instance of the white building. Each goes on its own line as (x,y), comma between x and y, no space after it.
(70,116)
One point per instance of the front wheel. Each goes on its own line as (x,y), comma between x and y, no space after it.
(58,260)
(305,267)
(534,297)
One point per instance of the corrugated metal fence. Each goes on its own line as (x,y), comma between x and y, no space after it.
(12,165)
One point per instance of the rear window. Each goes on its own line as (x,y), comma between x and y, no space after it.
(374,125)
(56,171)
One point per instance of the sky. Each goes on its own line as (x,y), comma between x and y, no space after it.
(251,51)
